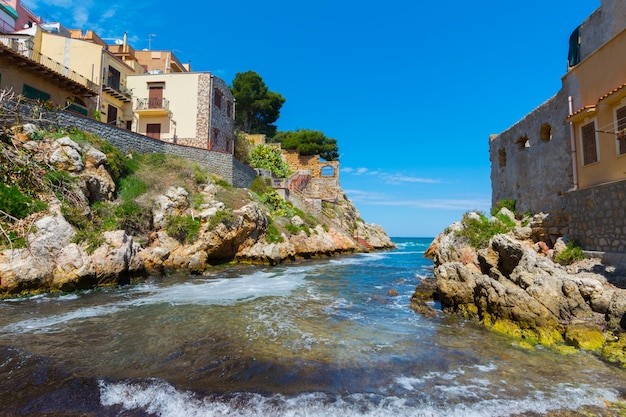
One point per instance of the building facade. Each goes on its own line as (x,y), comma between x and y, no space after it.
(188,108)
(25,70)
(561,158)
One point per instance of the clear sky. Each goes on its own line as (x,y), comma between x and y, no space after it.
(411,89)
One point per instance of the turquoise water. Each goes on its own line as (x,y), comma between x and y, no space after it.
(314,338)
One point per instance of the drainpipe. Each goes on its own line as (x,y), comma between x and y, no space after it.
(211,102)
(573,145)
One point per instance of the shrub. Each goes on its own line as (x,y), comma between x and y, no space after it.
(222,216)
(273,235)
(131,188)
(479,230)
(131,217)
(17,204)
(270,158)
(185,229)
(508,203)
(572,253)
(260,185)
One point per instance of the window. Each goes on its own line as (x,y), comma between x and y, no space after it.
(545,132)
(620,119)
(217,99)
(113,80)
(523,142)
(590,150)
(502,157)
(34,93)
(328,171)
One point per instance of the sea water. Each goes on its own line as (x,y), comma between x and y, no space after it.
(317,338)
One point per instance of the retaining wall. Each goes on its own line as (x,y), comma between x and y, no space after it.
(218,163)
(597,217)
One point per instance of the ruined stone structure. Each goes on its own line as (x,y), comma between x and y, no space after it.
(542,161)
(323,176)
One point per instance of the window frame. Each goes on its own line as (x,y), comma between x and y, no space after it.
(583,150)
(620,140)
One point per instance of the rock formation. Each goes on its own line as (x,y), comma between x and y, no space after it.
(56,257)
(513,285)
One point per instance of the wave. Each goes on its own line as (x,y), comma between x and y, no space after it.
(221,291)
(158,397)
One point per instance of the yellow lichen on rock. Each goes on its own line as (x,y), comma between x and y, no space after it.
(584,337)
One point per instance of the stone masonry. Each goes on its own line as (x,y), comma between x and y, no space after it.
(598,217)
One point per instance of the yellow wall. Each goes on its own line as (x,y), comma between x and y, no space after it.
(14,78)
(181,90)
(599,74)
(83,57)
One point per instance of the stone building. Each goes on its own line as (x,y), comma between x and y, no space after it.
(567,158)
(187,108)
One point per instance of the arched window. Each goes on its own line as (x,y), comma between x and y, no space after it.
(328,171)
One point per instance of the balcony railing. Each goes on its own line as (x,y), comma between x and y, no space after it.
(121,93)
(152,103)
(22,47)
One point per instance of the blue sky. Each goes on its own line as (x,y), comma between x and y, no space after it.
(410,89)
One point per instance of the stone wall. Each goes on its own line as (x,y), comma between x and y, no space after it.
(598,217)
(311,163)
(531,161)
(218,163)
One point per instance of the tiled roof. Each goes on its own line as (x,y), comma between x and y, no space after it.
(585,109)
(610,93)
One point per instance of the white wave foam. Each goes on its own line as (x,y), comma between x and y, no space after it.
(160,398)
(222,291)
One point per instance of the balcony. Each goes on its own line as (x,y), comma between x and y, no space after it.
(117,91)
(33,61)
(152,107)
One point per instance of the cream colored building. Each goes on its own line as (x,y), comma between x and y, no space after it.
(188,108)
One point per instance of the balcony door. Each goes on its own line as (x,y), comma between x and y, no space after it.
(155,96)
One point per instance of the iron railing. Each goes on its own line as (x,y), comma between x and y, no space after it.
(152,103)
(22,47)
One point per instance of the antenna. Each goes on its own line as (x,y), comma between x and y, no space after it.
(150,40)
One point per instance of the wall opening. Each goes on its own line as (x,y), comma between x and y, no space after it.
(502,157)
(523,142)
(328,171)
(546,132)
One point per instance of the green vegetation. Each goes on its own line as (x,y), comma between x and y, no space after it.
(478,230)
(571,254)
(17,204)
(507,203)
(185,229)
(309,142)
(273,235)
(222,216)
(270,158)
(257,107)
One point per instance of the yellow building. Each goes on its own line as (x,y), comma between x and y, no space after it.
(26,70)
(599,113)
(188,108)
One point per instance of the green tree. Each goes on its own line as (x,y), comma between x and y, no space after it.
(257,107)
(309,142)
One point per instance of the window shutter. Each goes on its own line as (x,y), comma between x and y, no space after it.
(590,154)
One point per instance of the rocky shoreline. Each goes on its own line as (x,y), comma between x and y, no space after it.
(514,286)
(53,259)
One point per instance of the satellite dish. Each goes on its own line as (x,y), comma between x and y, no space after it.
(119,42)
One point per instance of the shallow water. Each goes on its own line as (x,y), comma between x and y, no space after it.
(309,339)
